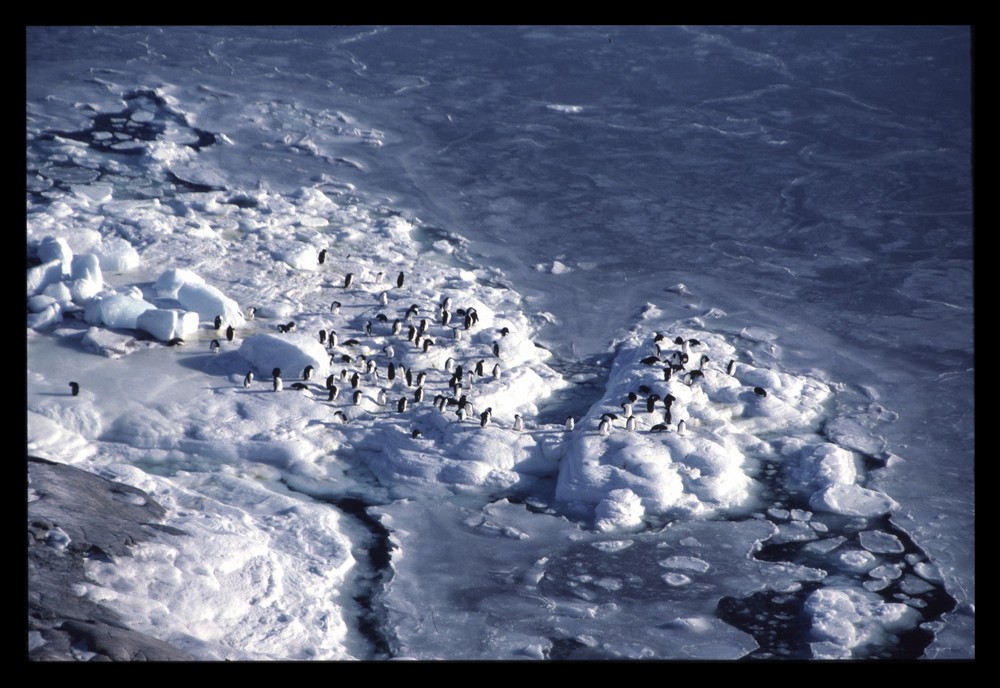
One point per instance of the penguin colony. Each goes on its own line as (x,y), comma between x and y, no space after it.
(370,360)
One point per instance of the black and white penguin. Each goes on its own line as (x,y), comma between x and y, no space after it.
(428,343)
(322,256)
(518,422)
(446,304)
(330,380)
(570,423)
(251,312)
(335,307)
(382,398)
(457,334)
(339,415)
(760,391)
(397,326)
(357,397)
(401,405)
(632,397)
(322,336)
(411,312)
(409,377)
(462,413)
(74,388)
(411,334)
(496,371)
(355,380)
(248,380)
(334,393)
(332,339)
(445,318)
(348,280)
(176,341)
(388,351)
(400,279)
(276,374)
(391,372)
(290,325)
(416,431)
(605,426)
(731,367)
(368,328)
(421,378)
(668,373)
(694,376)
(681,427)
(218,322)
(504,331)
(630,424)
(651,402)
(650,360)
(300,386)
(371,367)
(307,372)
(479,367)
(703,361)
(449,365)
(214,346)
(230,333)
(496,349)
(343,375)
(626,409)
(418,395)
(485,417)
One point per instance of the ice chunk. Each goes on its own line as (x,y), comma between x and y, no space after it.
(208,302)
(171,281)
(116,310)
(290,352)
(55,248)
(117,255)
(620,510)
(845,620)
(41,276)
(881,542)
(852,500)
(166,324)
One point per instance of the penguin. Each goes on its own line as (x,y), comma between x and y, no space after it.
(388,351)
(332,339)
(518,422)
(457,334)
(632,397)
(449,365)
(651,402)
(467,321)
(382,398)
(630,424)
(411,312)
(703,361)
(343,375)
(504,331)
(379,277)
(348,280)
(391,374)
(760,391)
(681,427)
(731,367)
(218,322)
(396,326)
(334,393)
(440,401)
(176,341)
(74,388)
(605,427)
(496,371)
(422,329)
(446,304)
(277,380)
(214,346)
(479,368)
(445,318)
(300,386)
(418,395)
(461,413)
(409,377)
(383,298)
(368,328)
(428,343)
(322,336)
(668,400)
(339,415)
(668,417)
(645,389)
(248,379)
(290,326)
(421,378)
(401,405)
(322,256)
(668,373)
(659,427)
(330,379)
(371,366)
(694,376)
(496,349)
(570,423)
(416,431)
(251,312)
(411,333)
(626,409)
(335,307)
(485,417)
(400,279)
(357,397)
(230,333)
(355,380)
(282,328)
(352,342)
(650,360)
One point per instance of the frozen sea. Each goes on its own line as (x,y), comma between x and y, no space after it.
(796,199)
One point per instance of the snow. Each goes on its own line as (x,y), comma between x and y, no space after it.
(499,543)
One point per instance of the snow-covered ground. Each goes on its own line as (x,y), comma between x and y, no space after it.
(270,342)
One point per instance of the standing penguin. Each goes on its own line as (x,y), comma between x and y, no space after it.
(251,312)
(630,424)
(322,256)
(496,372)
(357,397)
(276,374)
(348,280)
(605,427)
(248,379)
(355,380)
(74,388)
(570,423)
(334,392)
(401,405)
(307,372)
(731,367)
(518,422)
(382,397)
(230,333)
(218,322)
(214,346)
(399,280)
(485,417)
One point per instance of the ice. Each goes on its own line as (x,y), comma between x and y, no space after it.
(208,302)
(290,352)
(881,542)
(165,323)
(846,620)
(852,500)
(41,276)
(117,255)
